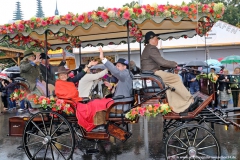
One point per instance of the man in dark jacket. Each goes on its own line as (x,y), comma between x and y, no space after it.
(151,59)
(50,70)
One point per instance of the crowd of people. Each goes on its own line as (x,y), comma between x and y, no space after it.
(116,79)
(227,86)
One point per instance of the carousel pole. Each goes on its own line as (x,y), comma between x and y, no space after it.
(140,48)
(80,57)
(128,42)
(46,63)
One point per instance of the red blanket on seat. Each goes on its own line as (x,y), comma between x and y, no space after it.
(85,112)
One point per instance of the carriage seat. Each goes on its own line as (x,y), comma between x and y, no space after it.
(154,86)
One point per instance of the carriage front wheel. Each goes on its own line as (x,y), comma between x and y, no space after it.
(192,142)
(48,135)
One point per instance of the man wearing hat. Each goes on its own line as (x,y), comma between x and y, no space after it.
(50,72)
(121,72)
(29,68)
(151,60)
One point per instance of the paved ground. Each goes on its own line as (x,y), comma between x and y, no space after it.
(138,147)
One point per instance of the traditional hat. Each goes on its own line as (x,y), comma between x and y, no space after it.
(28,53)
(149,35)
(43,56)
(122,61)
(62,69)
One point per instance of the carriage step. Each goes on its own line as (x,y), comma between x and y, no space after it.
(91,151)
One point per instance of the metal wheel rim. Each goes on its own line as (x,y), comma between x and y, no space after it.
(49,137)
(193,145)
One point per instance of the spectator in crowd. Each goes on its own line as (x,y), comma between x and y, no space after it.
(133,68)
(213,77)
(193,82)
(235,81)
(184,75)
(10,89)
(224,92)
(4,94)
(176,71)
(221,71)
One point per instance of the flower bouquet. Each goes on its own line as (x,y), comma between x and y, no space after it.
(17,94)
(149,111)
(55,104)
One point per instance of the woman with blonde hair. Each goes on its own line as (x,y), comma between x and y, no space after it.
(224,88)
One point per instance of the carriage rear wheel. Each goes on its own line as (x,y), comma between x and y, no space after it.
(192,142)
(48,135)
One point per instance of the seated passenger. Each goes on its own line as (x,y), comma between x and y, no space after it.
(124,76)
(89,82)
(151,60)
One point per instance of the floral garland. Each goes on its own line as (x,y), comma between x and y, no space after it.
(73,40)
(54,103)
(204,27)
(17,94)
(135,31)
(190,10)
(149,111)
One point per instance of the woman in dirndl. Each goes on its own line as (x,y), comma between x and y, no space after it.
(224,88)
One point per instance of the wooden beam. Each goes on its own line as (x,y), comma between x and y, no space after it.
(14,60)
(18,61)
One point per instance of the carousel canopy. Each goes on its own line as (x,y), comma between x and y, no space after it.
(109,25)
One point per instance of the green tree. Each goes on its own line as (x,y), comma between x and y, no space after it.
(39,13)
(17,15)
(232,12)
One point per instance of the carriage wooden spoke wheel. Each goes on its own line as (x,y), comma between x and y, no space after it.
(48,135)
(192,142)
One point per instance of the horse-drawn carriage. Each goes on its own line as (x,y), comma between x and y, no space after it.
(189,134)
(51,135)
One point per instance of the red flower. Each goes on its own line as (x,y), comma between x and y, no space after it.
(139,11)
(21,27)
(73,23)
(99,13)
(104,16)
(126,15)
(32,25)
(68,17)
(80,18)
(56,22)
(44,23)
(135,10)
(161,8)
(185,9)
(211,10)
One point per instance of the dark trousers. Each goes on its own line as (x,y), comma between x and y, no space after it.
(5,101)
(235,93)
